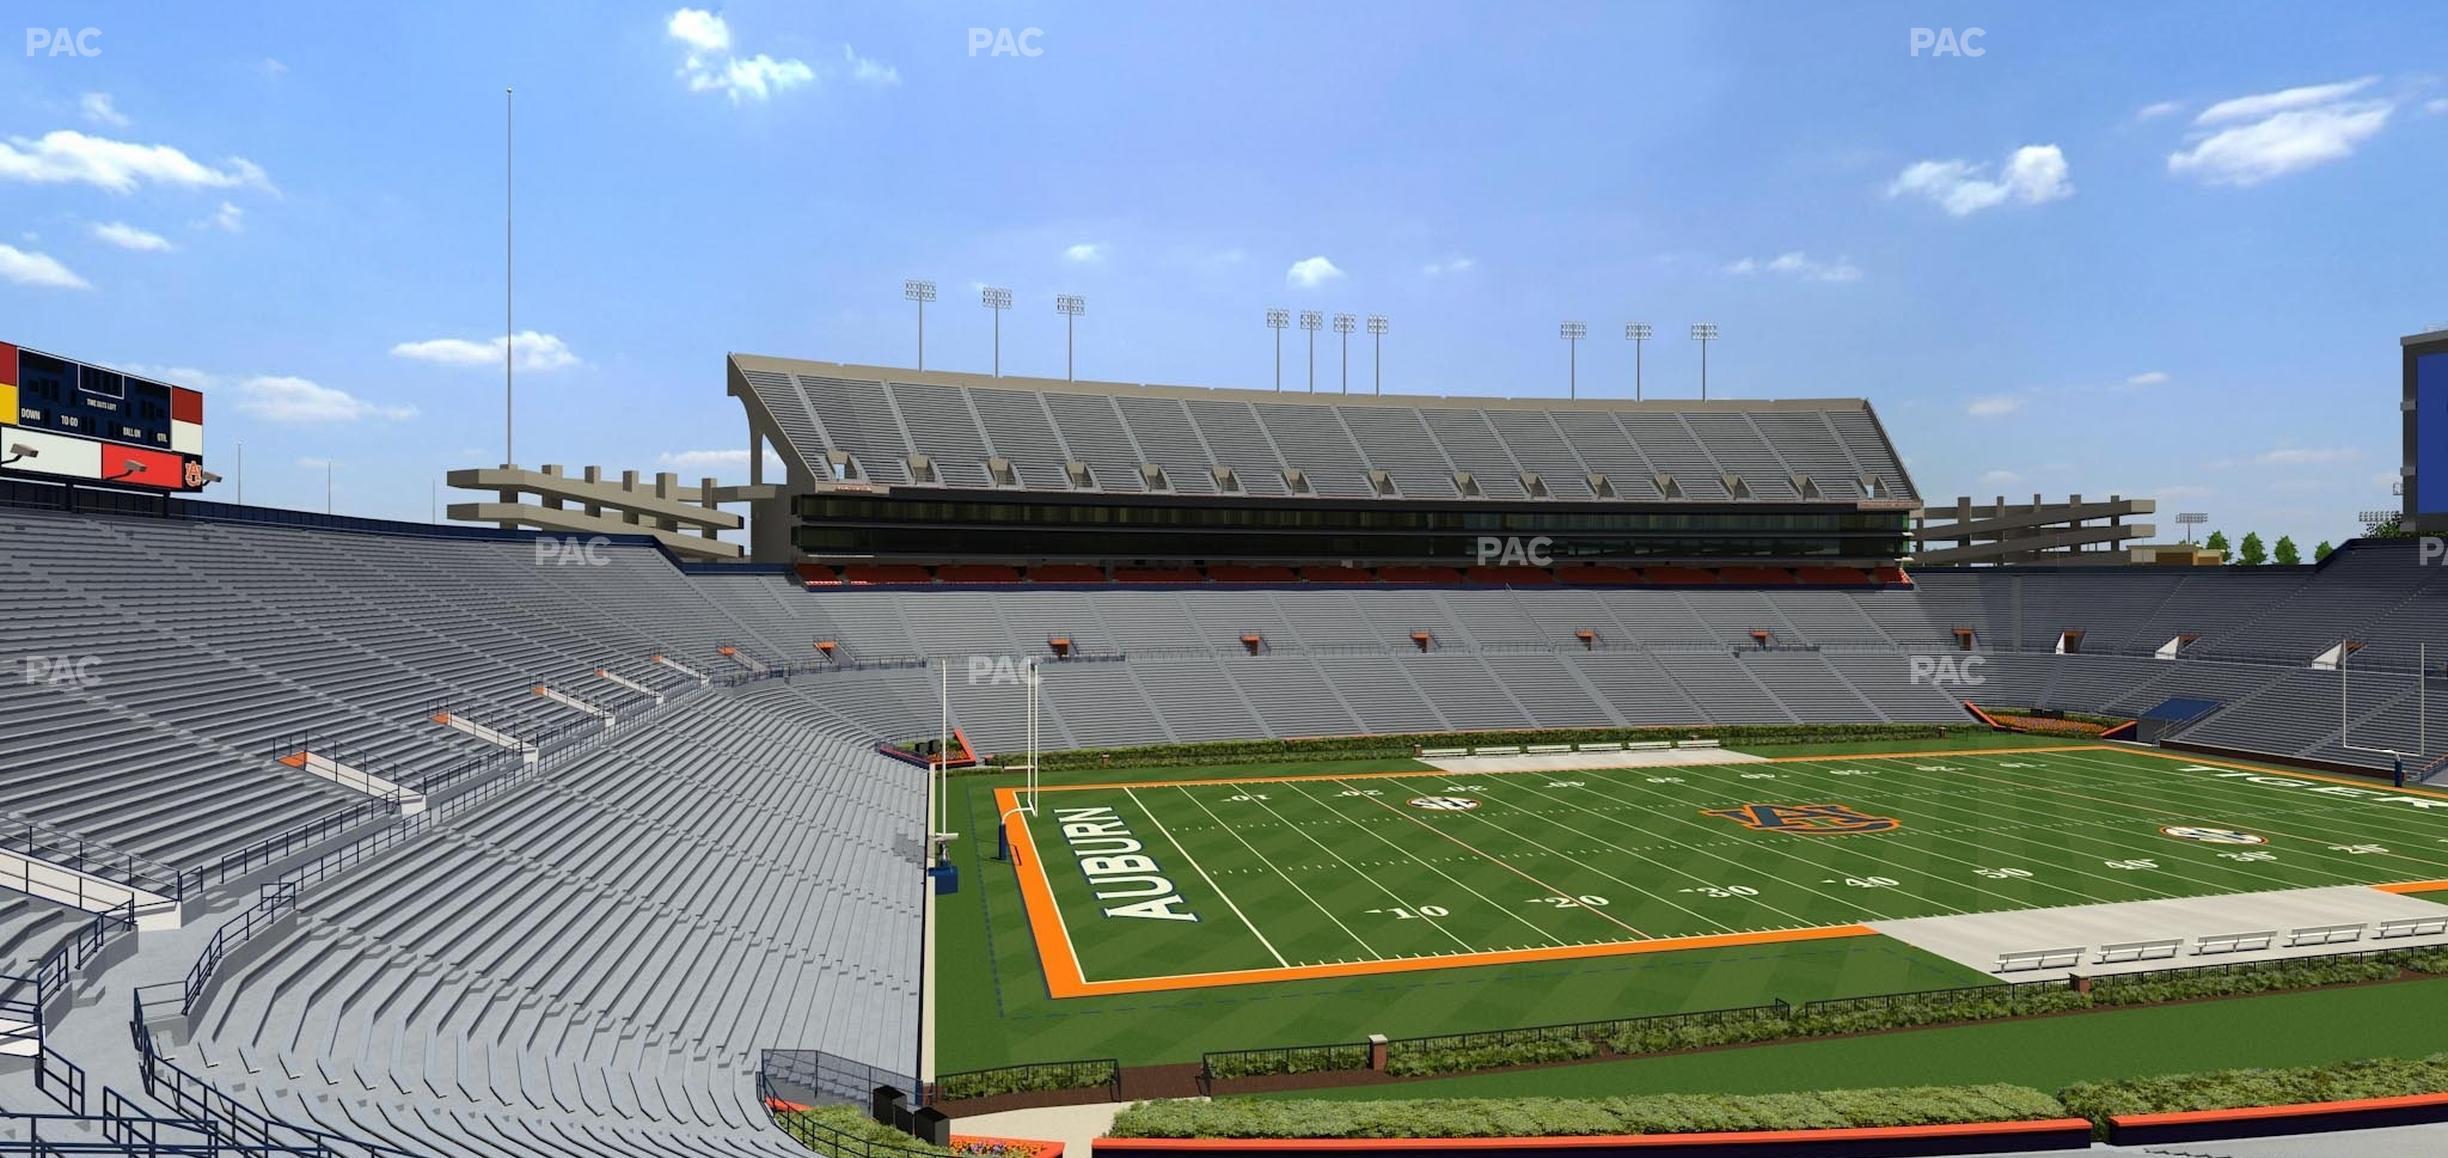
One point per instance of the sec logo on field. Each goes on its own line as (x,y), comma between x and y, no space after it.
(1443,803)
(2212,835)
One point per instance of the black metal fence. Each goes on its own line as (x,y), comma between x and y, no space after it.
(1957,995)
(1225,1065)
(1594,1031)
(1089,1074)
(237,1124)
(39,841)
(814,1077)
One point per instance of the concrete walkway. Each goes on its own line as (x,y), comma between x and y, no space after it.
(1076,1127)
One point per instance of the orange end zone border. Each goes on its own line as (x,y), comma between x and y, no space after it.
(1066,977)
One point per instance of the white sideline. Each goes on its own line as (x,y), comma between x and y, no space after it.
(2208,924)
(1575,761)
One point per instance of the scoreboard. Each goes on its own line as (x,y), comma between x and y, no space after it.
(66,419)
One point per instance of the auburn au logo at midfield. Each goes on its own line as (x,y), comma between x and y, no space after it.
(1807,819)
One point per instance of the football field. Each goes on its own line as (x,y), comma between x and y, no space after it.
(1185,883)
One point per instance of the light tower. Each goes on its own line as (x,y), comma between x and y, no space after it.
(1377,330)
(998,300)
(1277,318)
(1344,324)
(1572,333)
(921,291)
(1704,333)
(1310,320)
(1637,333)
(1070,306)
(2189,520)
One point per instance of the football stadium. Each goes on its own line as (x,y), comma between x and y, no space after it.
(1955,679)
(1065,746)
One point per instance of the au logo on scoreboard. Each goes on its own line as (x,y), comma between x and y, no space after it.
(1806,819)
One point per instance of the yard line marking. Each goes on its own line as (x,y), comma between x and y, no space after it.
(1423,862)
(1610,876)
(1371,950)
(1355,871)
(1935,800)
(1508,866)
(2158,808)
(2259,811)
(1693,821)
(1252,926)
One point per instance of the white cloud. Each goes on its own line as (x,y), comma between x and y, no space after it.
(1455,264)
(2152,112)
(312,463)
(1994,405)
(2033,175)
(2148,378)
(65,155)
(865,71)
(2000,478)
(228,218)
(734,462)
(2437,106)
(2251,139)
(127,236)
(2185,491)
(1798,264)
(276,398)
(97,108)
(1311,272)
(2307,456)
(700,30)
(36,269)
(2263,105)
(1085,253)
(710,65)
(535,351)
(271,68)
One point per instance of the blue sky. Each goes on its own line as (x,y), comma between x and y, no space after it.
(2162,252)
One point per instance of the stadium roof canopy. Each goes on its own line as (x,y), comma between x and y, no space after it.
(874,426)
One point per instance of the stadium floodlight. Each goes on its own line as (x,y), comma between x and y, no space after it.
(1637,333)
(1070,306)
(921,291)
(1344,324)
(2189,520)
(997,299)
(1277,318)
(209,478)
(128,468)
(1572,333)
(1377,332)
(18,450)
(2374,520)
(1310,320)
(1704,333)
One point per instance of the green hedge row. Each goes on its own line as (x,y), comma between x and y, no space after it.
(2233,1089)
(1468,1053)
(1402,746)
(845,1132)
(1550,1117)
(955,1087)
(1309,1059)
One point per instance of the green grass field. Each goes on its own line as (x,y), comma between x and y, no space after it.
(1308,890)
(1199,882)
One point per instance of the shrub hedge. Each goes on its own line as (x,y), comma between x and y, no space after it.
(1549,1117)
(845,1132)
(1081,1075)
(1402,746)
(1470,1053)
(2232,1089)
